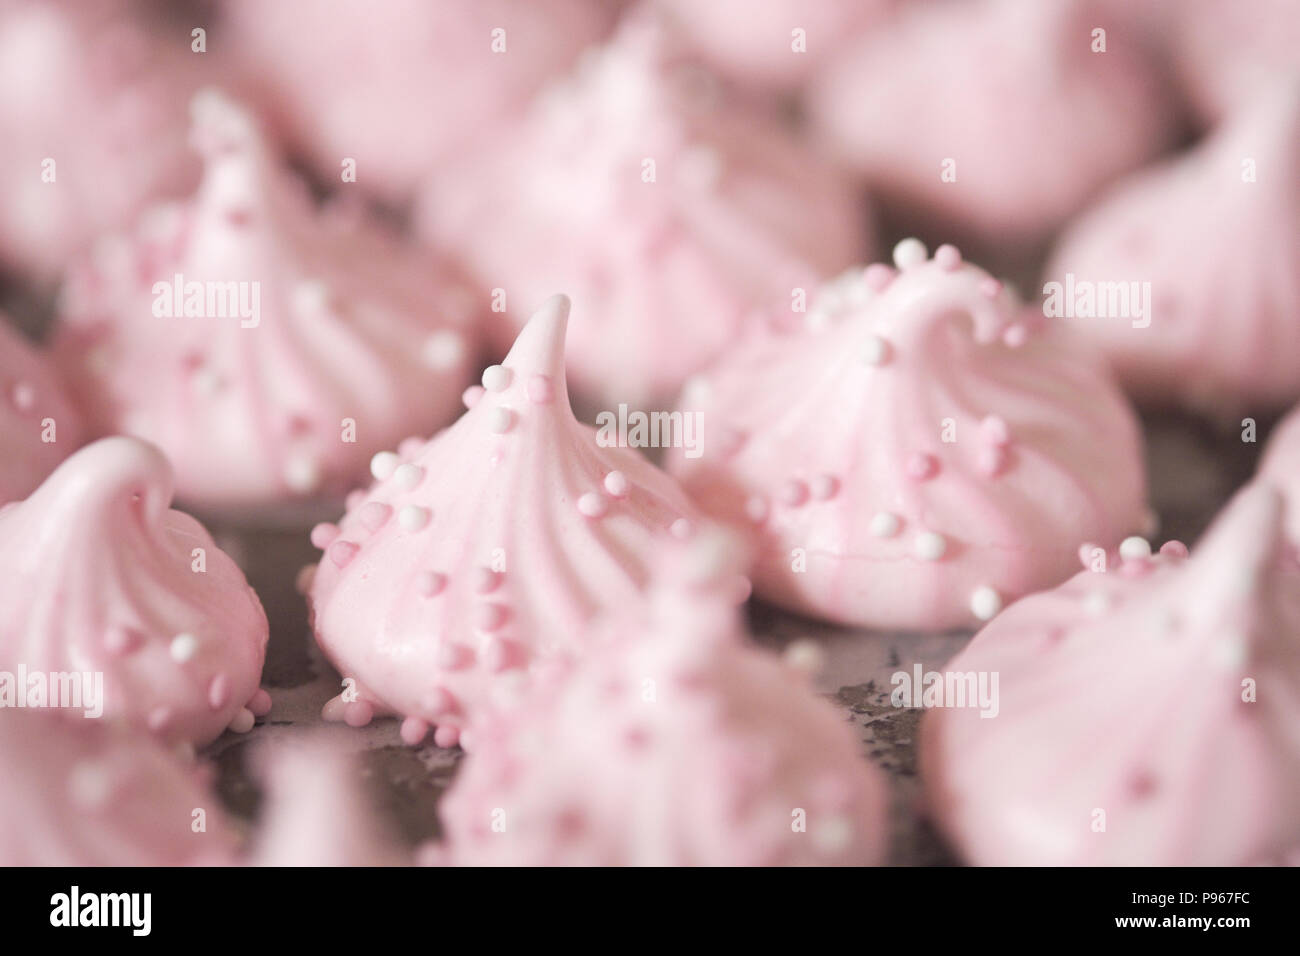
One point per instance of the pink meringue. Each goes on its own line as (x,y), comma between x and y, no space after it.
(1215,235)
(775,44)
(92,794)
(319,343)
(1280,467)
(919,454)
(402,86)
(102,578)
(993,120)
(482,552)
(1148,715)
(668,213)
(92,118)
(39,426)
(671,742)
(318,815)
(1230,54)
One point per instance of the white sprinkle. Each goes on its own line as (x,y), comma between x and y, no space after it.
(243,721)
(910,252)
(500,419)
(1135,548)
(833,835)
(184,647)
(681,529)
(592,504)
(885,525)
(875,350)
(444,349)
(929,546)
(407,476)
(616,484)
(384,464)
(805,655)
(496,378)
(985,602)
(413,517)
(302,474)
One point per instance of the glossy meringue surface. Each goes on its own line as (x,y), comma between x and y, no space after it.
(88,96)
(39,426)
(482,552)
(269,349)
(102,577)
(666,210)
(920,452)
(993,119)
(1215,235)
(1148,714)
(669,742)
(89,793)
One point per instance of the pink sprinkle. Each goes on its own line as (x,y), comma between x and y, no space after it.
(486,580)
(455,657)
(501,655)
(681,529)
(358,713)
(616,484)
(471,395)
(259,703)
(440,701)
(24,396)
(1136,567)
(948,257)
(323,534)
(446,737)
(413,731)
(491,617)
(991,460)
(592,504)
(994,429)
(1174,549)
(990,287)
(922,466)
(794,493)
(878,276)
(1085,554)
(540,390)
(825,486)
(430,583)
(219,692)
(374,515)
(121,640)
(342,552)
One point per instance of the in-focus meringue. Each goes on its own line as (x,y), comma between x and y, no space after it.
(667,212)
(482,552)
(402,86)
(993,120)
(92,793)
(1148,715)
(103,580)
(92,118)
(39,426)
(1210,245)
(919,454)
(268,349)
(670,742)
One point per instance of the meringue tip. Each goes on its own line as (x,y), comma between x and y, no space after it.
(109,465)
(539,348)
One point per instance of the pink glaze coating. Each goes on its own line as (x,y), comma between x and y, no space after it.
(668,213)
(1216,233)
(92,793)
(1280,467)
(1011,93)
(318,814)
(919,453)
(89,86)
(1125,734)
(354,345)
(402,86)
(757,44)
(39,426)
(670,742)
(101,576)
(481,553)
